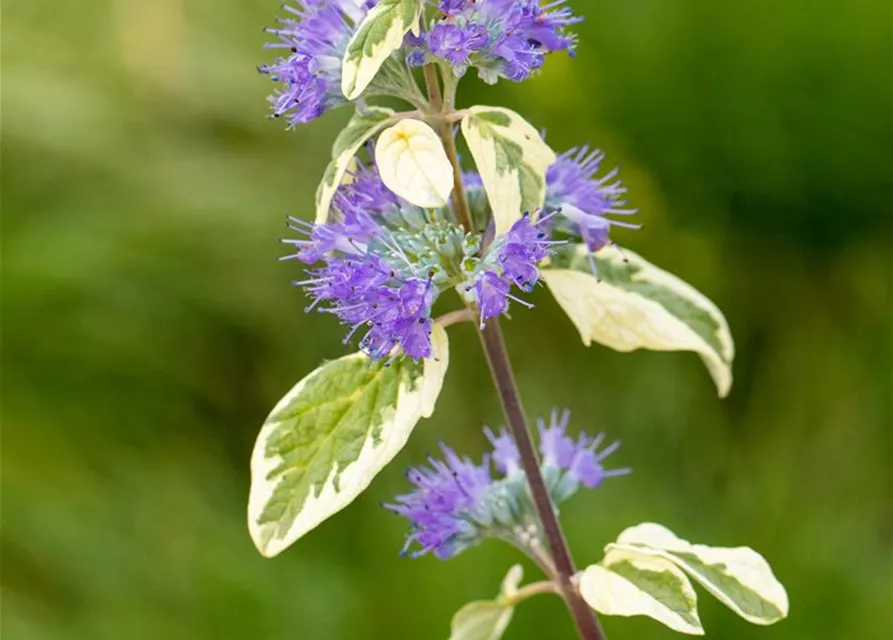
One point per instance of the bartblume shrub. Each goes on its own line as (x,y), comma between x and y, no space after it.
(399,222)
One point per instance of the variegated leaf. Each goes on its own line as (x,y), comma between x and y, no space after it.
(633,584)
(364,124)
(488,619)
(330,435)
(512,159)
(413,164)
(739,577)
(378,35)
(631,304)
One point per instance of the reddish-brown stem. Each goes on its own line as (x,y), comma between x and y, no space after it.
(445,131)
(442,104)
(501,370)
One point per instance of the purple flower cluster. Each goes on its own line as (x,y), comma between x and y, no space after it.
(511,260)
(582,200)
(361,281)
(314,37)
(365,194)
(365,290)
(385,263)
(579,459)
(501,38)
(441,507)
(456,503)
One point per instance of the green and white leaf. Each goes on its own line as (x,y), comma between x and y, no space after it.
(626,583)
(331,434)
(634,305)
(512,159)
(364,124)
(378,35)
(413,164)
(488,619)
(739,577)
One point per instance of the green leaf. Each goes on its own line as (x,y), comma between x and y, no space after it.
(378,36)
(488,619)
(512,159)
(633,305)
(364,124)
(739,577)
(330,435)
(633,584)
(413,164)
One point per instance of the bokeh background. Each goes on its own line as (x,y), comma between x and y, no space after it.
(148,327)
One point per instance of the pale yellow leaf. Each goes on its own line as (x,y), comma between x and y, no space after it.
(413,164)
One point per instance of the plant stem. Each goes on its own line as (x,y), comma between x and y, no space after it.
(445,131)
(442,104)
(455,317)
(460,202)
(501,370)
(432,86)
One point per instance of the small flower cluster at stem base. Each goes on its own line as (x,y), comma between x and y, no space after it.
(457,503)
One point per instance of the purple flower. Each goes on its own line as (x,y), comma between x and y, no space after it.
(586,466)
(455,44)
(521,249)
(416,58)
(492,293)
(439,508)
(366,194)
(472,180)
(501,38)
(556,448)
(547,27)
(314,38)
(452,7)
(363,288)
(511,260)
(581,458)
(583,200)
(457,503)
(505,452)
(519,56)
(383,261)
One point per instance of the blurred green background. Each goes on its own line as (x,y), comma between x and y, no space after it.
(148,327)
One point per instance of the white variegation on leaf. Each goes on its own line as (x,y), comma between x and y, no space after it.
(631,304)
(378,36)
(488,619)
(364,124)
(633,584)
(739,577)
(331,434)
(413,164)
(511,157)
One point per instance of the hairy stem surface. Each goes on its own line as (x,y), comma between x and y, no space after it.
(504,379)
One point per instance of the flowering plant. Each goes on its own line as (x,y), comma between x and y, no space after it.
(399,222)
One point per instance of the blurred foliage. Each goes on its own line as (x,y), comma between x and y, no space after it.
(148,327)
